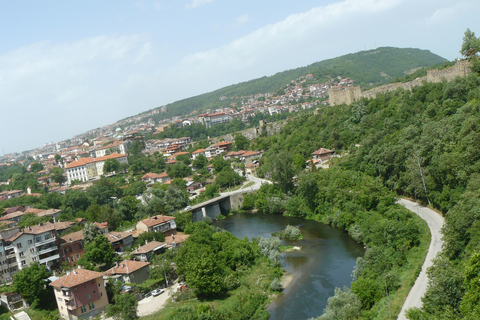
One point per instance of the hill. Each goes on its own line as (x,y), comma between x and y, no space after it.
(367,68)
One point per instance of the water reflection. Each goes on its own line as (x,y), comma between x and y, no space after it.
(326,261)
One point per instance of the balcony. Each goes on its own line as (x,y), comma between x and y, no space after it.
(41,243)
(11,255)
(47,250)
(71,305)
(9,247)
(48,259)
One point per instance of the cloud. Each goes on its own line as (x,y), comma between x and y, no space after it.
(241,20)
(451,13)
(69,86)
(197,3)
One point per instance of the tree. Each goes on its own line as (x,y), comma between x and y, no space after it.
(200,162)
(241,143)
(98,254)
(227,177)
(103,191)
(36,167)
(75,201)
(31,219)
(219,163)
(56,174)
(184,158)
(470,45)
(31,283)
(178,170)
(124,307)
(128,205)
(283,171)
(111,165)
(90,232)
(343,305)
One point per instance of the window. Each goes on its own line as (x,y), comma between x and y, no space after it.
(21,254)
(85,286)
(32,250)
(24,262)
(65,250)
(99,285)
(70,249)
(76,248)
(30,241)
(83,308)
(19,245)
(101,294)
(91,306)
(72,258)
(89,295)
(34,259)
(60,299)
(78,256)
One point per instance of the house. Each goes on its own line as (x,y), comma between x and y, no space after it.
(80,294)
(71,247)
(13,209)
(120,240)
(249,156)
(14,216)
(13,301)
(197,152)
(165,224)
(129,271)
(233,155)
(225,146)
(322,154)
(144,252)
(155,177)
(251,168)
(176,240)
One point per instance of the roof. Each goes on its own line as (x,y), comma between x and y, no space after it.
(250,153)
(126,267)
(152,175)
(153,221)
(198,151)
(40,228)
(83,161)
(322,151)
(72,237)
(177,238)
(102,226)
(76,277)
(151,246)
(49,212)
(114,236)
(12,215)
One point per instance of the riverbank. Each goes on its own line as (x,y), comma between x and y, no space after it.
(287,279)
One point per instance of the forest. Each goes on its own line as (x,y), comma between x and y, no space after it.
(424,145)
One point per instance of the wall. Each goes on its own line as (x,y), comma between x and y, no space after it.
(252,133)
(351,94)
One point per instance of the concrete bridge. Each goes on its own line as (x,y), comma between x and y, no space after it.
(225,202)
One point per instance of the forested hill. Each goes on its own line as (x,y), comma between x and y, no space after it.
(423,144)
(367,68)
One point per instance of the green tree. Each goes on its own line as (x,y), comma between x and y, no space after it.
(104,191)
(31,219)
(56,174)
(124,307)
(128,205)
(184,158)
(200,162)
(111,165)
(90,232)
(178,170)
(470,45)
(31,283)
(282,171)
(98,255)
(36,167)
(343,305)
(52,200)
(241,142)
(75,201)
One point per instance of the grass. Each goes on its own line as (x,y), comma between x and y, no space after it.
(285,248)
(248,184)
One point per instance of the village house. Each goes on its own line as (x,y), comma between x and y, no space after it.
(129,271)
(120,240)
(155,177)
(249,156)
(198,152)
(80,294)
(71,247)
(322,154)
(164,224)
(145,252)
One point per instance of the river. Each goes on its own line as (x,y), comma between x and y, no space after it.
(326,261)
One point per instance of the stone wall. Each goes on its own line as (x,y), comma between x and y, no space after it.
(352,94)
(252,133)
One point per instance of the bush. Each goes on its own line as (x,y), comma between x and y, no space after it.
(291,233)
(275,285)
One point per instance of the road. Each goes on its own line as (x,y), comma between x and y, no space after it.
(435,223)
(152,304)
(257,184)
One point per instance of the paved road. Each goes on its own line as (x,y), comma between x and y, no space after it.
(435,223)
(152,304)
(257,184)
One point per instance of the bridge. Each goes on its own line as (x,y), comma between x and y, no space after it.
(225,202)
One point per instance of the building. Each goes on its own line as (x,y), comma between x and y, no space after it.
(71,247)
(144,252)
(155,177)
(214,118)
(322,154)
(80,294)
(86,169)
(120,240)
(165,224)
(129,271)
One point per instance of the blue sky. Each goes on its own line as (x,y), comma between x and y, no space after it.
(67,67)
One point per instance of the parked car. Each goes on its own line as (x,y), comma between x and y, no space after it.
(157,292)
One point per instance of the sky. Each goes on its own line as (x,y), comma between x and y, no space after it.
(70,66)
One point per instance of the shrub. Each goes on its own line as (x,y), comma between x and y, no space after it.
(275,285)
(291,233)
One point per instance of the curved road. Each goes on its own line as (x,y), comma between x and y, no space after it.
(435,223)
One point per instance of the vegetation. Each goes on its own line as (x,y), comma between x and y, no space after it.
(291,233)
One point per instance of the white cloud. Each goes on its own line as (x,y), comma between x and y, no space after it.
(197,3)
(241,20)
(451,13)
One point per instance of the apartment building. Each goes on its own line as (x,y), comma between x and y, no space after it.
(85,169)
(80,294)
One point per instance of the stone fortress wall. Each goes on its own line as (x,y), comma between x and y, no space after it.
(351,94)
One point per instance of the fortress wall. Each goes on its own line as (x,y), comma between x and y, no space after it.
(352,94)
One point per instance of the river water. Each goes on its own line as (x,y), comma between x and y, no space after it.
(326,261)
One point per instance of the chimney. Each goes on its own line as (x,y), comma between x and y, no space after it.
(68,273)
(146,242)
(74,272)
(70,239)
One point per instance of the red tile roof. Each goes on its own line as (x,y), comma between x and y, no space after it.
(126,267)
(76,277)
(322,151)
(153,221)
(148,247)
(84,161)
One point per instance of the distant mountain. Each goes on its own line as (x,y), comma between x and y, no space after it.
(367,68)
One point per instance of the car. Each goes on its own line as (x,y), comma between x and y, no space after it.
(157,292)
